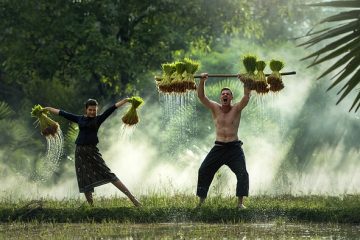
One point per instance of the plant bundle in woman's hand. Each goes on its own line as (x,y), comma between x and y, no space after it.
(131,117)
(48,127)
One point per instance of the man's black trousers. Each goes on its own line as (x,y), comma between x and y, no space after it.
(230,154)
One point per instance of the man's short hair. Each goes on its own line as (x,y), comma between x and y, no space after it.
(91,102)
(226,88)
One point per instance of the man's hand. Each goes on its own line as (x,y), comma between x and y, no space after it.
(247,91)
(201,92)
(204,76)
(239,76)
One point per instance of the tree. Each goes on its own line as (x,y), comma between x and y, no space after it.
(345,42)
(104,48)
(105,45)
(59,53)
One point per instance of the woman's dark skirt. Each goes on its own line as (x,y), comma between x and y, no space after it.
(91,169)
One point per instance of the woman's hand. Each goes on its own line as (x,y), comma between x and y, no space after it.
(52,110)
(121,102)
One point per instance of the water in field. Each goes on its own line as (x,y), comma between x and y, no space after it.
(113,230)
(50,162)
(54,152)
(126,131)
(178,118)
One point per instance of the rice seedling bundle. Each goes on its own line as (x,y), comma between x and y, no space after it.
(191,67)
(249,62)
(164,84)
(261,85)
(275,80)
(131,117)
(178,85)
(178,77)
(48,127)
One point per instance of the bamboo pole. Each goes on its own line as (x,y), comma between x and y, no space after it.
(236,75)
(230,75)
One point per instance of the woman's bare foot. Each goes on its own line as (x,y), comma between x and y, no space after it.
(241,206)
(136,202)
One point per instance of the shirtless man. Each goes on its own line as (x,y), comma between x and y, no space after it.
(227,149)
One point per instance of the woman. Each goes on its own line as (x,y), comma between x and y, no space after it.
(91,169)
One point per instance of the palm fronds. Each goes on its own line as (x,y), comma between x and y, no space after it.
(5,110)
(345,42)
(71,135)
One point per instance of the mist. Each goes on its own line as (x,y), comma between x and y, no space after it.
(295,142)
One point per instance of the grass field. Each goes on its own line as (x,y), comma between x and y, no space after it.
(182,208)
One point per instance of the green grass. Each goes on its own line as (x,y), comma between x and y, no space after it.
(182,208)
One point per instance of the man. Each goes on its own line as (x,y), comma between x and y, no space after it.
(227,149)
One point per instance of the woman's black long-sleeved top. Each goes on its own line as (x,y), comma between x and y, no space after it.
(88,126)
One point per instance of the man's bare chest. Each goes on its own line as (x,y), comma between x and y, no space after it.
(226,118)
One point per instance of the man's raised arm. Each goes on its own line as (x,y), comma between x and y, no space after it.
(201,92)
(245,99)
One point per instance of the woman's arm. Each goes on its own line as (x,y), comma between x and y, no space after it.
(68,116)
(110,110)
(53,110)
(121,102)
